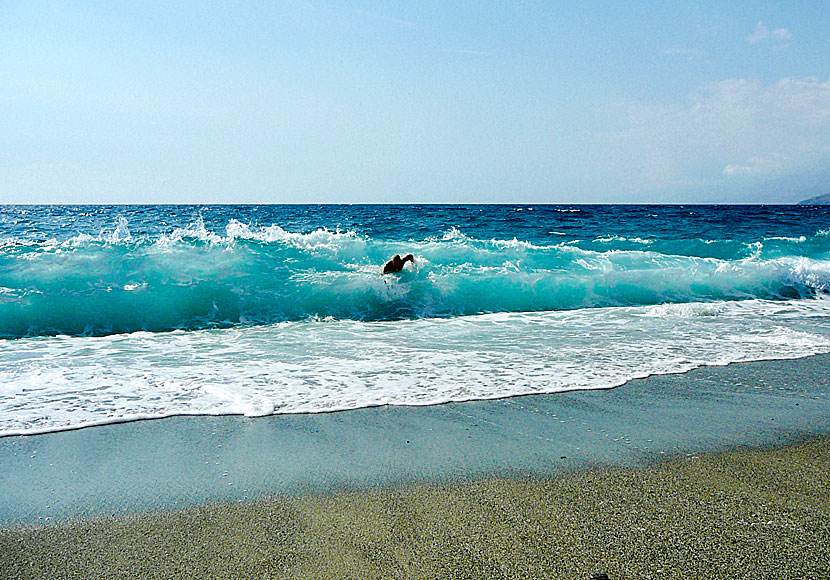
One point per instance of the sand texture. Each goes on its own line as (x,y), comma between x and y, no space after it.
(740,514)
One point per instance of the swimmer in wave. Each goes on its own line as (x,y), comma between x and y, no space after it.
(396,263)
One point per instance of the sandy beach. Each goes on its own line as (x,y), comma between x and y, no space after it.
(415,290)
(722,472)
(762,513)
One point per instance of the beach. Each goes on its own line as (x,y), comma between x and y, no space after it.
(746,499)
(546,392)
(414,290)
(752,513)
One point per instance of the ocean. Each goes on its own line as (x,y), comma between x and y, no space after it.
(117,313)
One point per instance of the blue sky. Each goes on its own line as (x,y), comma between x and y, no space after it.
(307,101)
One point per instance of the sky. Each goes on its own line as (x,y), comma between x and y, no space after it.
(414,102)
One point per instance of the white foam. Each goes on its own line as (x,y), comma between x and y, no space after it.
(615,238)
(320,238)
(799,239)
(65,382)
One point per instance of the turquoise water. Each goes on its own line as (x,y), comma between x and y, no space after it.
(109,314)
(109,270)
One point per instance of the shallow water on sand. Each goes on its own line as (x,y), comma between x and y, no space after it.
(183,461)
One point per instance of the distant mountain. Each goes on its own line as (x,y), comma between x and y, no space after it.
(817,200)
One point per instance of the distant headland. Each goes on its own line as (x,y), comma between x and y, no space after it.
(817,200)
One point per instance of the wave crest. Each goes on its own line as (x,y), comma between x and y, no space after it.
(196,278)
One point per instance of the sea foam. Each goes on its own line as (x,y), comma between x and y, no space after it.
(113,314)
(310,366)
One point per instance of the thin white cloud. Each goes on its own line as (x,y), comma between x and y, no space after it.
(770,165)
(736,127)
(738,170)
(762,33)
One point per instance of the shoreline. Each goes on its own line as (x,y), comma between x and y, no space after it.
(509,397)
(194,460)
(747,512)
(717,472)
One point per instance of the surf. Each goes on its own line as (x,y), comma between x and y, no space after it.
(195,278)
(314,366)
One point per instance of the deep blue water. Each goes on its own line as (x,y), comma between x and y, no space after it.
(538,224)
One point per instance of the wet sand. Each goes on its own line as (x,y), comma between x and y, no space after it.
(187,461)
(747,513)
(722,472)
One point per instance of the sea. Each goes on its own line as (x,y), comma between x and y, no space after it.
(119,313)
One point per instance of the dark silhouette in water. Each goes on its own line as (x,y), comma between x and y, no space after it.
(396,263)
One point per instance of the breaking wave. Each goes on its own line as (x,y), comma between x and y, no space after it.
(194,278)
